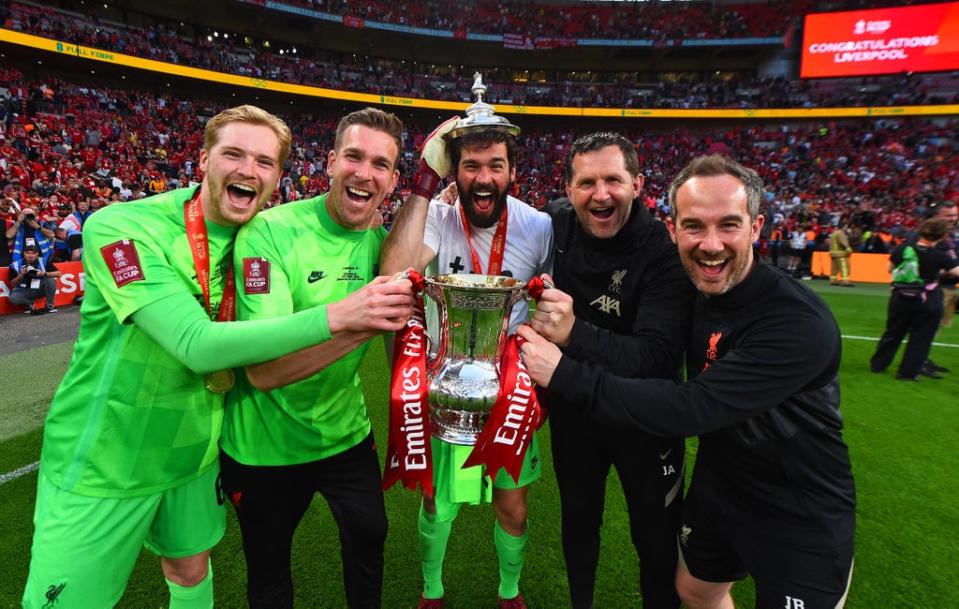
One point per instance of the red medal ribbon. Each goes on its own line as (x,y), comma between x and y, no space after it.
(516,414)
(496,249)
(200,248)
(408,454)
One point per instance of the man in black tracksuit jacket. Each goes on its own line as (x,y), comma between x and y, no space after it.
(631,301)
(772,492)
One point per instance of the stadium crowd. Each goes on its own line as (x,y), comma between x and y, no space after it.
(229,53)
(66,145)
(650,21)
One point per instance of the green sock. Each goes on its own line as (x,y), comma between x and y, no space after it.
(511,552)
(199,596)
(433,536)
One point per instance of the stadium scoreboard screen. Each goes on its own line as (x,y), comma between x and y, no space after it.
(921,38)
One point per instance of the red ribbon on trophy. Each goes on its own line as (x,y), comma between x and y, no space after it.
(408,455)
(515,415)
(509,430)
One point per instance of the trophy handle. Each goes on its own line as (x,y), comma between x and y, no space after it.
(433,362)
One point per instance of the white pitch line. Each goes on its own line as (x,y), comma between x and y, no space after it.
(20,471)
(874,338)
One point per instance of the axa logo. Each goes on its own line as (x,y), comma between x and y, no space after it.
(616,284)
(607,305)
(53,595)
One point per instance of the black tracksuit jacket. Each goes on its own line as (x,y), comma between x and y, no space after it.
(762,394)
(631,297)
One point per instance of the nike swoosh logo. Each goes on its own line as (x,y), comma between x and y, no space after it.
(665,454)
(316,276)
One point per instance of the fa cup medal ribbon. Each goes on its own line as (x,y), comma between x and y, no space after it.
(509,430)
(220,381)
(408,455)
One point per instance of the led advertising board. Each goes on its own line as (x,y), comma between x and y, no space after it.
(922,38)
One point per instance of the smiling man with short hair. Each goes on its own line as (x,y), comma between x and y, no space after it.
(772,493)
(129,453)
(297,425)
(621,303)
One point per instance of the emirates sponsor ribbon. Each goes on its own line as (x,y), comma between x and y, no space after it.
(408,455)
(509,430)
(515,415)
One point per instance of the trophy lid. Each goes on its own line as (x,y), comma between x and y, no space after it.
(481,116)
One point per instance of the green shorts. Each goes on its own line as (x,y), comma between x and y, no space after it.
(84,548)
(453,484)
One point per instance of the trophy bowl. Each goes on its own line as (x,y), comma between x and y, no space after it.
(474,313)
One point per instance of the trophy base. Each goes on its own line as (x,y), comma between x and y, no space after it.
(457,426)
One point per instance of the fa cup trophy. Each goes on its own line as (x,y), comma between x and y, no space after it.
(469,388)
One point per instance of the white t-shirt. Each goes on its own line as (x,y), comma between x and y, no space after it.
(70,223)
(528,252)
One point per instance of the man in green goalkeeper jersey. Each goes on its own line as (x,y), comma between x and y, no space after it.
(130,443)
(298,425)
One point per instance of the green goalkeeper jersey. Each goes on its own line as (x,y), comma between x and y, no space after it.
(287,259)
(128,418)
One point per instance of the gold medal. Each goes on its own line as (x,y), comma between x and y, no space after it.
(220,381)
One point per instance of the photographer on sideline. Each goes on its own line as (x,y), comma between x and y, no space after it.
(32,279)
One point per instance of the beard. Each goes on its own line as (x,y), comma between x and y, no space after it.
(475,217)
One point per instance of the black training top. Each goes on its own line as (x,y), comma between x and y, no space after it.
(763,394)
(631,297)
(931,259)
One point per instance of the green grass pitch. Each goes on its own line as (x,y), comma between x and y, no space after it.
(900,436)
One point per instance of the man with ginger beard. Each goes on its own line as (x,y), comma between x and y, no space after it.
(129,453)
(458,238)
(772,493)
(297,425)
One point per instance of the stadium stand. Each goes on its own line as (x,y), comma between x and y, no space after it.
(66,142)
(107,145)
(231,53)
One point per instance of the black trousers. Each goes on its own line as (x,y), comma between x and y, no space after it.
(651,472)
(917,318)
(270,502)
